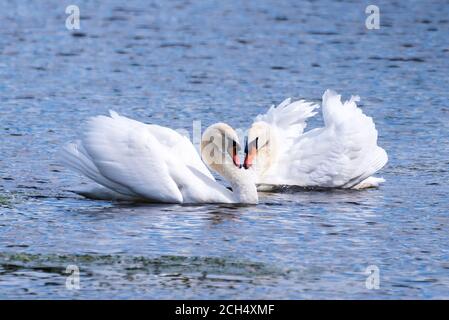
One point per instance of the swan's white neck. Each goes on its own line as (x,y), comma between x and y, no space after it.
(242,182)
(213,148)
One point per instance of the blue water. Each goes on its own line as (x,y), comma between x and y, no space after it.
(178,62)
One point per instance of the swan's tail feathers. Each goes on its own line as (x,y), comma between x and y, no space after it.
(289,115)
(98,192)
(371,164)
(381,159)
(371,182)
(75,157)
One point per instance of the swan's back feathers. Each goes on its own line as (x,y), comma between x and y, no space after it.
(357,134)
(74,156)
(139,160)
(341,154)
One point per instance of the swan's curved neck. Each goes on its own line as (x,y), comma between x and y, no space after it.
(243,184)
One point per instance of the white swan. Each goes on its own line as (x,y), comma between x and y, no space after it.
(342,154)
(133,160)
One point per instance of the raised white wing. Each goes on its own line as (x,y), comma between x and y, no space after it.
(143,161)
(341,154)
(289,119)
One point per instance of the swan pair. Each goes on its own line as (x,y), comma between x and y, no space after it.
(136,161)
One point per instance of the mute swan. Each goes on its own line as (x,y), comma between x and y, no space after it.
(136,161)
(342,154)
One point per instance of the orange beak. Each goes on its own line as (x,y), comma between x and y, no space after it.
(236,159)
(249,158)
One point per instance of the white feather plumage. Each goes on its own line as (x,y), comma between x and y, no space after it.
(343,153)
(133,160)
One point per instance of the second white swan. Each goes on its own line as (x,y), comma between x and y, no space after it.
(342,154)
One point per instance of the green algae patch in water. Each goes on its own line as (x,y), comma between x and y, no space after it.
(4,201)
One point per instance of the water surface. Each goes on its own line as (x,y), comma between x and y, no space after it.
(174,63)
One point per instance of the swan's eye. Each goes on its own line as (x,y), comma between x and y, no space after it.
(233,146)
(236,145)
